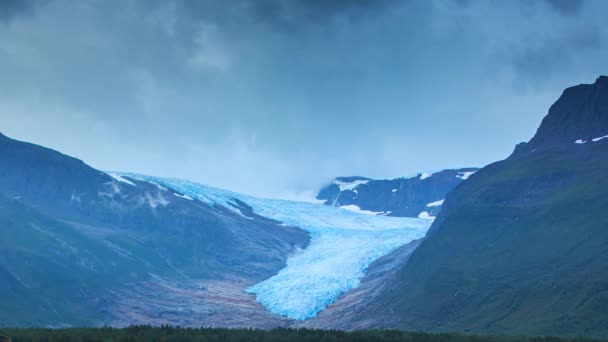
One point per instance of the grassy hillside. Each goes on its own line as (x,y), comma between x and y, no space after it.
(522,247)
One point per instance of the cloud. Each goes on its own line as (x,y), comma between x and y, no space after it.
(210,52)
(282,13)
(301,11)
(566,7)
(12,8)
(270,95)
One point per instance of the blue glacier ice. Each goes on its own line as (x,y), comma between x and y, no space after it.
(343,244)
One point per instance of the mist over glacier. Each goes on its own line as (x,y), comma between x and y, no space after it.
(343,244)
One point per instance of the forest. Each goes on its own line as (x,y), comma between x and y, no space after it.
(168,333)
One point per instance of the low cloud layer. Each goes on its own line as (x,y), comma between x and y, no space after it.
(272,97)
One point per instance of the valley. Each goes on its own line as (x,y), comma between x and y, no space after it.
(83,247)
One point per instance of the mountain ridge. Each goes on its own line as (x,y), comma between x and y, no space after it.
(521,246)
(80,245)
(419,196)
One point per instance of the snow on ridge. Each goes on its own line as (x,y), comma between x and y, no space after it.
(465,175)
(424,175)
(580,141)
(160,187)
(183,196)
(119,178)
(599,138)
(435,204)
(343,244)
(350,185)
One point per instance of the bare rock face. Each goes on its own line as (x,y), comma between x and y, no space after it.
(579,114)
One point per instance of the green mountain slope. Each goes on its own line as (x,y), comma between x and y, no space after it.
(521,247)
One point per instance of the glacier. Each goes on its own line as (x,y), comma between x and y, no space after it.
(343,244)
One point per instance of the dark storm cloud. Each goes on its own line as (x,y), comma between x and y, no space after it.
(538,60)
(290,12)
(264,95)
(12,8)
(566,7)
(285,12)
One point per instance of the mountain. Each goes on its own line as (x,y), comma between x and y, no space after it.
(86,247)
(406,197)
(343,246)
(83,247)
(521,247)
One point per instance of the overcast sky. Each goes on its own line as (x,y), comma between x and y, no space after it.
(275,97)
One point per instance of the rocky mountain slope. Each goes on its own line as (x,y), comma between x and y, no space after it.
(521,247)
(82,247)
(419,196)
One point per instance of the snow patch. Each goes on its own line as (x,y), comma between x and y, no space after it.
(160,187)
(395,190)
(349,185)
(426,216)
(435,204)
(114,190)
(183,196)
(424,175)
(119,178)
(73,198)
(155,201)
(356,209)
(581,141)
(465,175)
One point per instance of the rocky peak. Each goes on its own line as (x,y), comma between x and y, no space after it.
(581,113)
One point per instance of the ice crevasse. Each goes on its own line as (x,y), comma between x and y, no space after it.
(343,244)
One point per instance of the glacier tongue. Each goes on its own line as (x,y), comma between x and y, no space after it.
(343,244)
(333,264)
